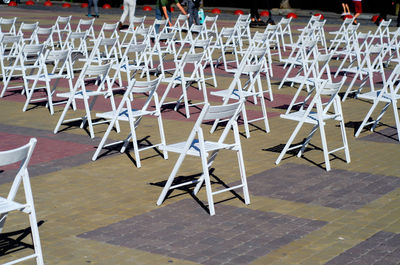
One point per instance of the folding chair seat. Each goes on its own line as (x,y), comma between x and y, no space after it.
(125,112)
(62,28)
(100,75)
(285,29)
(188,62)
(26,30)
(60,60)
(318,113)
(239,91)
(10,203)
(8,23)
(197,145)
(29,57)
(389,95)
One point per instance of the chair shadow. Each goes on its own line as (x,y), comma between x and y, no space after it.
(190,187)
(278,149)
(11,242)
(114,149)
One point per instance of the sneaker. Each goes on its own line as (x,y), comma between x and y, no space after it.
(120,25)
(89,15)
(97,16)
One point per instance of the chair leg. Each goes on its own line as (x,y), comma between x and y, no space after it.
(242,169)
(324,146)
(366,118)
(289,142)
(171,179)
(396,118)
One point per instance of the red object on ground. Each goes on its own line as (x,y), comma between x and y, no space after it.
(12,3)
(147,8)
(216,11)
(172,9)
(374,18)
(106,6)
(84,5)
(48,3)
(291,15)
(319,14)
(122,7)
(29,3)
(348,16)
(239,12)
(264,13)
(66,5)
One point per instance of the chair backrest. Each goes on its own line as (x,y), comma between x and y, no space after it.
(111,29)
(86,25)
(8,22)
(22,153)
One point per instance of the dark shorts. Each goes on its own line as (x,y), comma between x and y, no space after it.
(357,6)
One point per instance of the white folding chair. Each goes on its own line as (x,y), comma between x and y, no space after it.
(86,25)
(226,43)
(29,57)
(389,95)
(196,145)
(340,33)
(285,29)
(137,23)
(317,114)
(43,36)
(10,47)
(194,63)
(60,60)
(370,64)
(125,112)
(210,26)
(76,42)
(252,88)
(99,74)
(8,23)
(10,203)
(181,25)
(62,28)
(164,45)
(26,30)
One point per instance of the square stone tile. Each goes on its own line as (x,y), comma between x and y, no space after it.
(381,248)
(388,135)
(307,184)
(183,230)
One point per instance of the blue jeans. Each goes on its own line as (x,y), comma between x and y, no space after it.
(96,9)
(160,15)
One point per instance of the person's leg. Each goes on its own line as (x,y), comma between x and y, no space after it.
(196,16)
(158,16)
(125,13)
(347,9)
(398,19)
(358,10)
(90,8)
(96,8)
(132,9)
(270,19)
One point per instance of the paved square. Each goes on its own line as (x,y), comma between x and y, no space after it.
(383,248)
(309,184)
(184,230)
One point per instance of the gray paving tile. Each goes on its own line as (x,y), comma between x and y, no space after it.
(381,248)
(183,230)
(307,184)
(388,135)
